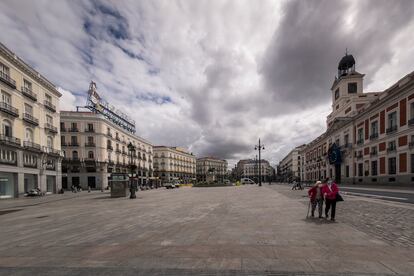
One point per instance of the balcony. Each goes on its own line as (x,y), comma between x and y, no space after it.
(89,130)
(117,138)
(360,142)
(73,129)
(109,147)
(51,128)
(6,108)
(373,153)
(89,160)
(7,80)
(10,141)
(391,129)
(30,119)
(373,136)
(392,149)
(62,129)
(411,122)
(29,93)
(31,146)
(411,145)
(109,134)
(63,143)
(49,106)
(51,151)
(90,144)
(73,144)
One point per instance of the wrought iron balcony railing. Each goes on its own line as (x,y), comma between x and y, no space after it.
(359,142)
(7,80)
(29,93)
(90,130)
(373,136)
(51,128)
(49,105)
(7,108)
(31,145)
(10,141)
(73,129)
(391,129)
(30,119)
(90,144)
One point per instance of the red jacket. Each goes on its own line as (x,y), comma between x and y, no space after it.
(313,192)
(330,193)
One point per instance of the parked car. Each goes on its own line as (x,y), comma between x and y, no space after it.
(169,185)
(247,181)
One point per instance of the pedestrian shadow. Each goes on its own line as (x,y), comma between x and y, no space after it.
(317,220)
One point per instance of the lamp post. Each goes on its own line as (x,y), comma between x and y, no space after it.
(260,147)
(132,185)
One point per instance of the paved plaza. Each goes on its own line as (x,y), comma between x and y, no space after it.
(246,230)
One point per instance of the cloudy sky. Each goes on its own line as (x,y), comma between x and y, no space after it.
(213,75)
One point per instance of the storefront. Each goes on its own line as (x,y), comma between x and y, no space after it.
(7,184)
(51,184)
(30,182)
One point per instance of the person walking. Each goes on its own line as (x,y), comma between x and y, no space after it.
(316,198)
(330,190)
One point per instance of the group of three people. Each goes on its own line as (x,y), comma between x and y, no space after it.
(324,192)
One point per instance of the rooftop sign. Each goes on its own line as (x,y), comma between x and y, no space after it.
(96,104)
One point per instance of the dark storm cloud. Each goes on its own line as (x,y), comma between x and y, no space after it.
(301,61)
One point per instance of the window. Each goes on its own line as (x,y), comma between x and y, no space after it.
(62,140)
(27,85)
(391,145)
(90,140)
(4,70)
(392,165)
(49,142)
(346,139)
(337,142)
(62,126)
(374,167)
(347,171)
(392,120)
(90,127)
(412,163)
(74,126)
(108,143)
(28,109)
(29,135)
(90,155)
(75,154)
(7,128)
(360,135)
(48,98)
(360,169)
(74,140)
(412,110)
(49,119)
(374,128)
(6,98)
(336,94)
(352,88)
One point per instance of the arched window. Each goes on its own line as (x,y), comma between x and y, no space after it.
(29,135)
(90,154)
(7,128)
(75,154)
(49,142)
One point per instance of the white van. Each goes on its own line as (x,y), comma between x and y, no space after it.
(247,181)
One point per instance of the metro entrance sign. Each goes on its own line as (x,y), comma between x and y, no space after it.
(96,104)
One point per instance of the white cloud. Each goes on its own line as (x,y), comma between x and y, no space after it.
(196,73)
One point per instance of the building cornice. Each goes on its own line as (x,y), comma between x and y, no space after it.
(19,63)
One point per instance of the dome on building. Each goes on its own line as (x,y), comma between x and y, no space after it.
(346,62)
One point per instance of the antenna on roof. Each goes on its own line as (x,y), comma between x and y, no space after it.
(346,51)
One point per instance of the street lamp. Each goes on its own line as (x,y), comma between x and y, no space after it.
(260,147)
(132,166)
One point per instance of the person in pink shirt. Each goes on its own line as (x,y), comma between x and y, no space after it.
(329,191)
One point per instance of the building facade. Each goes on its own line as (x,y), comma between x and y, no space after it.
(249,168)
(94,147)
(291,166)
(174,163)
(29,141)
(211,166)
(369,137)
